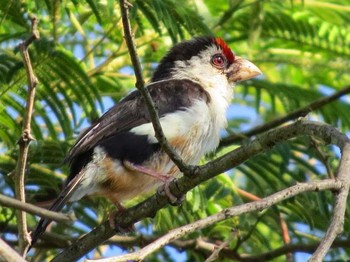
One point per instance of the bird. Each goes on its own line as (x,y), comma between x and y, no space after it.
(119,157)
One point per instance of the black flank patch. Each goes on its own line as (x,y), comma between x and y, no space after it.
(122,146)
(129,146)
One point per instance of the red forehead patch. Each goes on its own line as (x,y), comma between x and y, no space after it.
(226,50)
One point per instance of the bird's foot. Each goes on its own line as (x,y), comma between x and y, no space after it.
(165,190)
(113,215)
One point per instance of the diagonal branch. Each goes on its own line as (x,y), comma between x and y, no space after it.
(140,85)
(301,112)
(8,254)
(24,238)
(150,206)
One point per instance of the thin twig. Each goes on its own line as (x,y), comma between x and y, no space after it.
(101,40)
(215,254)
(140,85)
(301,112)
(285,235)
(24,238)
(290,248)
(32,209)
(248,235)
(337,221)
(9,254)
(246,194)
(322,157)
(282,222)
(225,214)
(150,206)
(118,52)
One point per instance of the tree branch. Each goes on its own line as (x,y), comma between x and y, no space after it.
(140,85)
(8,254)
(200,244)
(337,222)
(226,214)
(24,238)
(301,112)
(150,206)
(32,209)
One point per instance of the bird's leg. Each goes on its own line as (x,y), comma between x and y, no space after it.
(119,206)
(111,218)
(146,171)
(164,178)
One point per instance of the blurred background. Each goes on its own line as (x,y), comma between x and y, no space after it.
(83,67)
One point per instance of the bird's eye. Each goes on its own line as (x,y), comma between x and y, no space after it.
(219,61)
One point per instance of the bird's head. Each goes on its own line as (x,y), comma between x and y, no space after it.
(206,60)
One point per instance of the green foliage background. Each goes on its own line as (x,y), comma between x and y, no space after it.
(82,63)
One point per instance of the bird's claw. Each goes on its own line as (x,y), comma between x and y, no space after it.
(111,218)
(118,228)
(165,190)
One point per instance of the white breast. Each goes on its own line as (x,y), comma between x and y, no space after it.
(201,124)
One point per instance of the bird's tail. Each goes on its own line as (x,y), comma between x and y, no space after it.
(57,206)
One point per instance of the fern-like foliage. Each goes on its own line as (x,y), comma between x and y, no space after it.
(83,68)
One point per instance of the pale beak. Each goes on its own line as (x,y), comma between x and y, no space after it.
(241,69)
